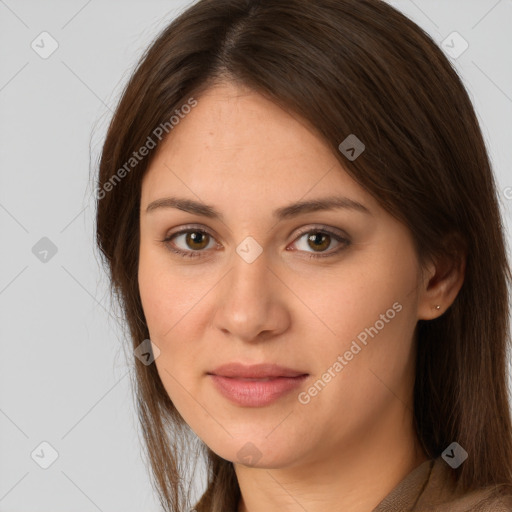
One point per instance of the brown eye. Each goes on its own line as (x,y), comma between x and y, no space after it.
(197,240)
(319,241)
(191,242)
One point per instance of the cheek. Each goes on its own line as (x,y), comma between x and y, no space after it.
(364,368)
(368,317)
(349,303)
(168,303)
(174,303)
(167,294)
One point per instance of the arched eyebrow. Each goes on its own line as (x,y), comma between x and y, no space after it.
(315,205)
(285,212)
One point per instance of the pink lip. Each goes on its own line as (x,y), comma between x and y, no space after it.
(257,385)
(256,371)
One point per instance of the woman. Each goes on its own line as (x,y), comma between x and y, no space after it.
(298,215)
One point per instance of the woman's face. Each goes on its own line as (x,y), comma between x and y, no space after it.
(333,293)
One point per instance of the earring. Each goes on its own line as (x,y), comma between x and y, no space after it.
(437,307)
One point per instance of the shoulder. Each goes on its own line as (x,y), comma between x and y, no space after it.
(484,500)
(495,501)
(441,494)
(432,487)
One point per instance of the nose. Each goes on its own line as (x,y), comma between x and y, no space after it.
(251,302)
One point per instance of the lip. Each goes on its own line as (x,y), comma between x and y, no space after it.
(255,385)
(255,371)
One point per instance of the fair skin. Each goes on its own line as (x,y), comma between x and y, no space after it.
(354,441)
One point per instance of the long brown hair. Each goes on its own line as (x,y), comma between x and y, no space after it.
(346,67)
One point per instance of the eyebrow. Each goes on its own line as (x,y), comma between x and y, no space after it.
(286,212)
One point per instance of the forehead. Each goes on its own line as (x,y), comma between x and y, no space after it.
(237,146)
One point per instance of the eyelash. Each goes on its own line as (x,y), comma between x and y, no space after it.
(323,230)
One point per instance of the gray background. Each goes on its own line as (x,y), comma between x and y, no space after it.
(64,377)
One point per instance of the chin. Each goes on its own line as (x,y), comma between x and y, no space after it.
(253,451)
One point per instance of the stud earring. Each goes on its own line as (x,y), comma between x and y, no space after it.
(437,307)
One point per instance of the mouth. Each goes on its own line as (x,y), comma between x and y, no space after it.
(266,379)
(255,372)
(257,385)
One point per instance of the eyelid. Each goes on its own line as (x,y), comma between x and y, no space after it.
(321,228)
(187,228)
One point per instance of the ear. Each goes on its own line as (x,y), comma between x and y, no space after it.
(442,280)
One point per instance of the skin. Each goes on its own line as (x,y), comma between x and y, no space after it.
(245,156)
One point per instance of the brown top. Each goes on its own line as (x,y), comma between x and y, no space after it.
(431,487)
